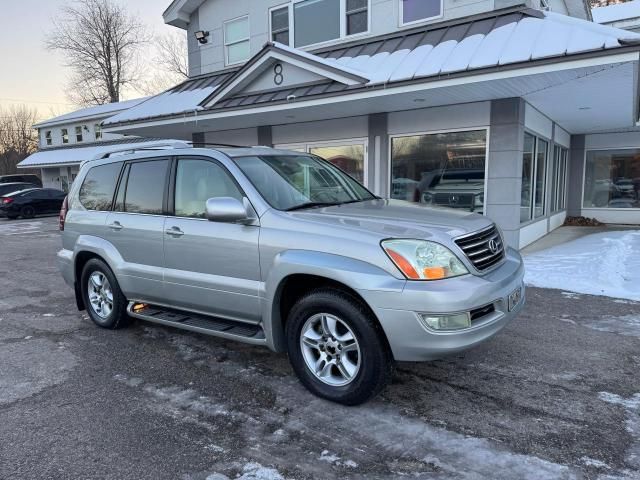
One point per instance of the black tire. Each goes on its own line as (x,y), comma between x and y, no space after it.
(28,212)
(118,317)
(376,361)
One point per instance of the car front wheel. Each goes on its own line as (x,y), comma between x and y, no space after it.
(337,348)
(103,299)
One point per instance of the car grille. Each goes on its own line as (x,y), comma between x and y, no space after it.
(477,247)
(456,200)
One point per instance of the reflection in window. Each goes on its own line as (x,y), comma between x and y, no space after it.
(96,192)
(349,158)
(443,169)
(280,25)
(196,182)
(416,10)
(541,178)
(145,187)
(559,178)
(527,177)
(236,40)
(612,179)
(316,21)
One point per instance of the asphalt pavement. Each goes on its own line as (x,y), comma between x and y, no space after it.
(555,396)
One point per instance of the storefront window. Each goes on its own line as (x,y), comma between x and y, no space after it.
(612,179)
(527,177)
(559,179)
(534,178)
(443,169)
(349,158)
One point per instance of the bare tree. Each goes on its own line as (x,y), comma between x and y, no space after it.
(170,64)
(100,42)
(18,139)
(605,3)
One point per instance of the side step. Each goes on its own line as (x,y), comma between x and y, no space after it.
(196,322)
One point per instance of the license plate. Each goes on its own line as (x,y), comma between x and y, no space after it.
(514,298)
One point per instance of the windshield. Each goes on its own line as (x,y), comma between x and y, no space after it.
(291,182)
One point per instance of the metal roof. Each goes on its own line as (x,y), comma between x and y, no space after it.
(501,39)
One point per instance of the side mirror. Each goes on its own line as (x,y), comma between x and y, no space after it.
(227,210)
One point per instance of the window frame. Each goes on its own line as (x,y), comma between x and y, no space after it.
(97,131)
(343,24)
(559,176)
(124,177)
(173,176)
(584,176)
(402,23)
(79,136)
(487,159)
(289,7)
(115,188)
(48,137)
(226,45)
(546,210)
(64,134)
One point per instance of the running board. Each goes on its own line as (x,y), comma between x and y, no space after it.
(196,322)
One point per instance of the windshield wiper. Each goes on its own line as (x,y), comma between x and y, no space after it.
(310,205)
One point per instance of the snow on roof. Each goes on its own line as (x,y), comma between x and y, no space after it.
(75,155)
(614,13)
(98,111)
(481,42)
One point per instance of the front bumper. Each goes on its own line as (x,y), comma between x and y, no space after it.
(410,340)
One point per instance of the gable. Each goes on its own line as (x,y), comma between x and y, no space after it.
(277,66)
(281,75)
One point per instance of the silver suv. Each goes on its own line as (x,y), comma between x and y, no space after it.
(283,249)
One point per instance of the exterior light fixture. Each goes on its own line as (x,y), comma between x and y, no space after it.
(201,36)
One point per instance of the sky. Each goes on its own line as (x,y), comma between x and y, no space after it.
(35,76)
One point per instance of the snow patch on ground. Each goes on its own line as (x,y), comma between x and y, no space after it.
(628,325)
(251,471)
(592,462)
(606,263)
(632,423)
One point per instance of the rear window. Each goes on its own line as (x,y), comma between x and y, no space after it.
(96,192)
(145,187)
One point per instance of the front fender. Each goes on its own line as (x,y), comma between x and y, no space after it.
(355,274)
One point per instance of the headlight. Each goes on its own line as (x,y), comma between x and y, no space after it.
(423,260)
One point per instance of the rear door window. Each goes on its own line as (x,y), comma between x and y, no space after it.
(98,187)
(146,184)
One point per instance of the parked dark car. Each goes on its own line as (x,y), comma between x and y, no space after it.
(6,188)
(23,178)
(31,202)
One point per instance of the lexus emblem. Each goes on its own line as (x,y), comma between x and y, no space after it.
(453,199)
(493,245)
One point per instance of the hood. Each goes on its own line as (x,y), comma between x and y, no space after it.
(397,218)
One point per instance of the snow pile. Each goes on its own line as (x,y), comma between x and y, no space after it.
(605,263)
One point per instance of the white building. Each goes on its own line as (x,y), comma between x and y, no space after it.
(67,140)
(526,112)
(620,15)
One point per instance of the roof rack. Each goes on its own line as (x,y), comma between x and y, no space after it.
(156,146)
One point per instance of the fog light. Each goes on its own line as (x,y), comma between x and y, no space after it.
(446,322)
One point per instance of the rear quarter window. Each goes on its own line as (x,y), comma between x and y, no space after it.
(98,187)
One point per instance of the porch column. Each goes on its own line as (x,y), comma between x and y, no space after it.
(378,155)
(198,139)
(504,175)
(265,136)
(575,174)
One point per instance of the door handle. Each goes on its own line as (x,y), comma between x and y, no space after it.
(174,232)
(115,226)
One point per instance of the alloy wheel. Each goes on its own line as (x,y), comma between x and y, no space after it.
(330,349)
(100,294)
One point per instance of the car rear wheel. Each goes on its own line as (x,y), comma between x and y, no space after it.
(103,299)
(28,212)
(337,348)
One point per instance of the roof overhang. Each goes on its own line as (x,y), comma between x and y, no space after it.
(179,12)
(583,94)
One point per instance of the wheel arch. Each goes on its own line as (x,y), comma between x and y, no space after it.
(296,273)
